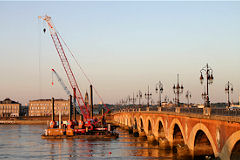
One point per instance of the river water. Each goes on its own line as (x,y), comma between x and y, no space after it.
(24,142)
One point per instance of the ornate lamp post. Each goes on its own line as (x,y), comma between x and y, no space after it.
(122,102)
(188,96)
(166,99)
(139,96)
(132,99)
(159,89)
(152,101)
(209,76)
(177,90)
(128,100)
(204,97)
(148,96)
(228,87)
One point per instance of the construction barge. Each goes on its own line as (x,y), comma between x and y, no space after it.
(81,129)
(103,135)
(88,132)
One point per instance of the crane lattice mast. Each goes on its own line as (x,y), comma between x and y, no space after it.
(65,88)
(61,82)
(66,65)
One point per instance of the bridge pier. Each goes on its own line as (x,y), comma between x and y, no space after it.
(130,130)
(164,143)
(124,126)
(183,152)
(142,133)
(151,138)
(135,133)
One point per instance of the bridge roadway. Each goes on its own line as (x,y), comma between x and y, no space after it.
(195,132)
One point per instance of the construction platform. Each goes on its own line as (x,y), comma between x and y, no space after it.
(97,133)
(84,136)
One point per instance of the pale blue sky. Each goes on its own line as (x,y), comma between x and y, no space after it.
(123,47)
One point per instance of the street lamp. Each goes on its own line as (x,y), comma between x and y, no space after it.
(121,102)
(159,89)
(152,101)
(177,90)
(139,96)
(209,76)
(128,100)
(188,96)
(204,97)
(132,99)
(166,99)
(148,96)
(228,87)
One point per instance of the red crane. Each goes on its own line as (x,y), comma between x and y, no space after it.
(71,78)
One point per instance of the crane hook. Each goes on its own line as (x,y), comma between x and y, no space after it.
(44,30)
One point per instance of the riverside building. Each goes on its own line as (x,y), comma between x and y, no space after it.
(43,107)
(9,108)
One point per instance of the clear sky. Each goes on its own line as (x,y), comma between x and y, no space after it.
(122,46)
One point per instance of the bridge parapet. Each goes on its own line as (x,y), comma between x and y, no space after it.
(209,113)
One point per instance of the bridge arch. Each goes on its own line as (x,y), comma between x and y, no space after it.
(141,126)
(229,145)
(201,127)
(130,122)
(135,123)
(160,127)
(150,126)
(171,130)
(149,130)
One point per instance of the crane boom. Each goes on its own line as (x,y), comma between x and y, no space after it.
(61,82)
(65,88)
(66,65)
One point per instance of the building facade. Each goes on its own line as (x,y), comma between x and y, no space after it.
(43,107)
(9,108)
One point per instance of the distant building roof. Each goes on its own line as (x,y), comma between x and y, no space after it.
(47,100)
(8,101)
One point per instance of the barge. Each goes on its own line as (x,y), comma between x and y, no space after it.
(94,133)
(78,129)
(104,135)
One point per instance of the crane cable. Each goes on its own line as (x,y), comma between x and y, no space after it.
(39,60)
(52,78)
(85,75)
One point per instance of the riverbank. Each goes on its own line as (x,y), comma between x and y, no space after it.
(24,122)
(39,120)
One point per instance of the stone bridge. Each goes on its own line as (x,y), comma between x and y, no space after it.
(199,135)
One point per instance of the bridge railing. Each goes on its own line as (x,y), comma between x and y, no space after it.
(191,110)
(211,112)
(168,109)
(153,108)
(225,112)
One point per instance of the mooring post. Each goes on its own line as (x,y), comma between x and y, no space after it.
(60,119)
(91,101)
(70,108)
(74,104)
(102,111)
(52,109)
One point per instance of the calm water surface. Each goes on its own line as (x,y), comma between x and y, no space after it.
(24,142)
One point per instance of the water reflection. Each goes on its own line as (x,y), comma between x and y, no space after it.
(24,142)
